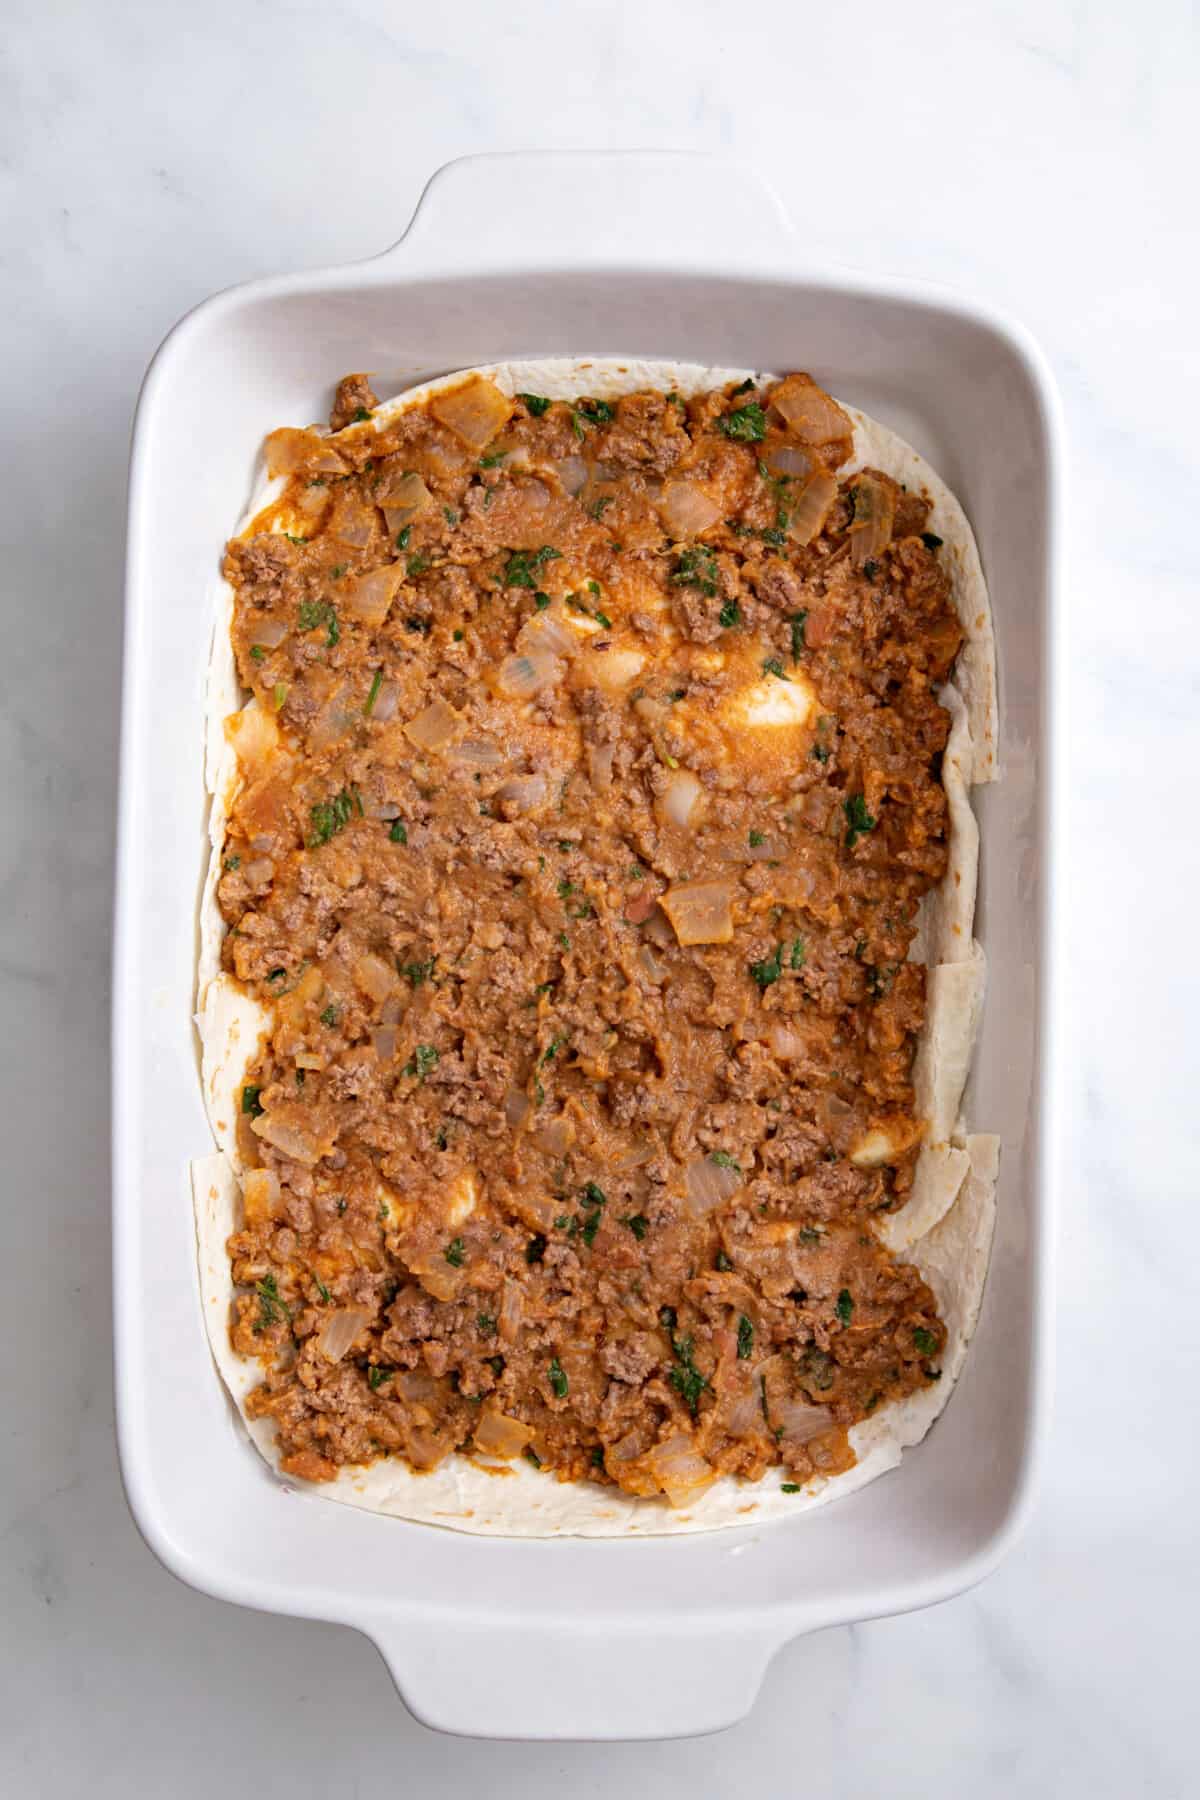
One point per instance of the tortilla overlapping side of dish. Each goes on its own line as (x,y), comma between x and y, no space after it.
(944,1229)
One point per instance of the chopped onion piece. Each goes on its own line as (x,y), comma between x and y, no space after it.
(512,1310)
(556,1136)
(479,753)
(681,799)
(497,1434)
(288,450)
(352,523)
(369,597)
(433,728)
(809,412)
(383,1042)
(522,794)
(312,499)
(701,912)
(339,1330)
(786,459)
(403,491)
(386,702)
(686,508)
(785,1041)
(256,873)
(680,1469)
(516,1105)
(417,1387)
(874,516)
(547,633)
(654,970)
(798,1420)
(600,764)
(261,1196)
(809,508)
(269,632)
(710,1184)
(287,1137)
(522,677)
(572,471)
(374,976)
(474,412)
(255,738)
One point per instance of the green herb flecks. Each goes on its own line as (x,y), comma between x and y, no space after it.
(638,1223)
(536,404)
(372,697)
(329,817)
(769,970)
(925,1341)
(685,1377)
(745,1337)
(455,1253)
(729,615)
(746,425)
(696,568)
(521,565)
(418,972)
(251,1103)
(797,621)
(272,1310)
(558,1379)
(845,1306)
(316,615)
(399,832)
(423,1059)
(858,819)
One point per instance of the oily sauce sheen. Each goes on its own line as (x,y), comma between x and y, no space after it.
(585,809)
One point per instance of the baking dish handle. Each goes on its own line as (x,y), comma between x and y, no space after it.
(640,207)
(574,1681)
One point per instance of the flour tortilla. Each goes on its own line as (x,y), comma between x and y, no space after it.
(946,1226)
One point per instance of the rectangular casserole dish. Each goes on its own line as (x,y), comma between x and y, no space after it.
(511,256)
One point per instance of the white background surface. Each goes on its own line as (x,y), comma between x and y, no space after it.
(1037,153)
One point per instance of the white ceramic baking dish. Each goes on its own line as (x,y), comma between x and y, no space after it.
(509,256)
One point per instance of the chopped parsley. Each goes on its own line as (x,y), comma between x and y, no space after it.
(931,540)
(595,508)
(376,684)
(324,1292)
(257,652)
(685,1377)
(845,1306)
(486,1323)
(490,462)
(789,1487)
(723,1263)
(418,972)
(639,1224)
(723,1160)
(361,416)
(870,570)
(330,1015)
(520,567)
(796,954)
(532,1456)
(925,1341)
(558,1379)
(377,1375)
(250,1101)
(331,816)
(744,387)
(552,1049)
(232,862)
(747,424)
(797,621)
(454,1253)
(315,615)
(399,832)
(593,1195)
(745,1337)
(402,538)
(537,404)
(858,819)
(696,568)
(773,666)
(756,838)
(598,411)
(416,565)
(541,601)
(729,615)
(769,970)
(423,1059)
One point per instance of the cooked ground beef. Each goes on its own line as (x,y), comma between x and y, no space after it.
(588,799)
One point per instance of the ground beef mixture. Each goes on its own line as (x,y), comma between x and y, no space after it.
(588,794)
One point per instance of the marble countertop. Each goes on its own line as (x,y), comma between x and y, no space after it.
(1034,152)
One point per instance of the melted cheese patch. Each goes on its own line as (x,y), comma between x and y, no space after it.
(775,702)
